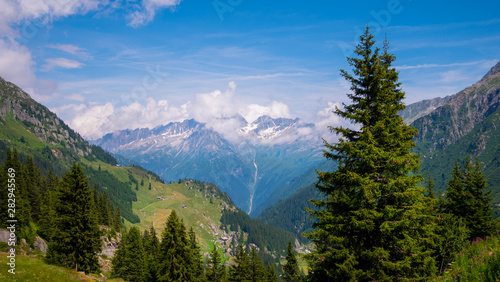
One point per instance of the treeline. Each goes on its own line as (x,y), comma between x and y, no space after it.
(177,257)
(290,214)
(209,190)
(266,237)
(120,193)
(63,211)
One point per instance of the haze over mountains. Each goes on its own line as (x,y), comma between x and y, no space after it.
(267,154)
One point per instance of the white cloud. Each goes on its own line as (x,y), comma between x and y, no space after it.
(218,110)
(71,49)
(62,63)
(90,121)
(148,10)
(275,110)
(16,64)
(93,121)
(41,11)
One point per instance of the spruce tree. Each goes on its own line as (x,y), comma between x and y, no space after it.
(467,198)
(257,270)
(196,260)
(77,239)
(152,248)
(48,214)
(271,274)
(240,270)
(175,256)
(216,270)
(291,268)
(373,223)
(130,263)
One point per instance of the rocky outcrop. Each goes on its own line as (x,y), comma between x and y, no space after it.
(40,244)
(38,120)
(461,113)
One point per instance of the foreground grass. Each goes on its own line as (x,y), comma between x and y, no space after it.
(480,261)
(36,269)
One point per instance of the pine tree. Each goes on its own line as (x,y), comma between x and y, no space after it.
(175,256)
(77,239)
(291,268)
(48,214)
(152,248)
(257,270)
(216,270)
(130,263)
(196,260)
(240,270)
(467,198)
(373,224)
(271,274)
(456,198)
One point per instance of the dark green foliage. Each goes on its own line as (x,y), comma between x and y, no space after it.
(117,192)
(197,260)
(256,269)
(239,271)
(152,249)
(102,155)
(48,213)
(291,268)
(265,236)
(290,213)
(374,223)
(129,262)
(271,274)
(216,270)
(467,198)
(175,255)
(452,237)
(77,239)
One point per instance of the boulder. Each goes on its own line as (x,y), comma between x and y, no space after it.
(40,244)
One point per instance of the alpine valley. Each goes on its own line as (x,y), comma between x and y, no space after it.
(266,155)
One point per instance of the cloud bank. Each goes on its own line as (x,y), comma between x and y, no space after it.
(221,111)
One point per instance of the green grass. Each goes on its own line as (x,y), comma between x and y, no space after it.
(13,130)
(480,261)
(199,213)
(36,269)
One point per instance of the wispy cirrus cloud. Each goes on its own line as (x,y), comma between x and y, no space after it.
(71,49)
(52,63)
(421,66)
(148,9)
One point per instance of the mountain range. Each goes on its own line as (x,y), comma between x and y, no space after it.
(268,154)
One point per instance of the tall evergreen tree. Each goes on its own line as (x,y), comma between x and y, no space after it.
(257,270)
(216,270)
(48,213)
(175,256)
(152,248)
(77,240)
(373,224)
(467,198)
(197,260)
(240,270)
(291,268)
(131,263)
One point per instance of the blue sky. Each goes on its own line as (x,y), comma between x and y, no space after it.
(110,65)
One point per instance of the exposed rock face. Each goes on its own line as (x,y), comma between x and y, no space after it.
(40,244)
(4,235)
(38,120)
(109,245)
(460,113)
